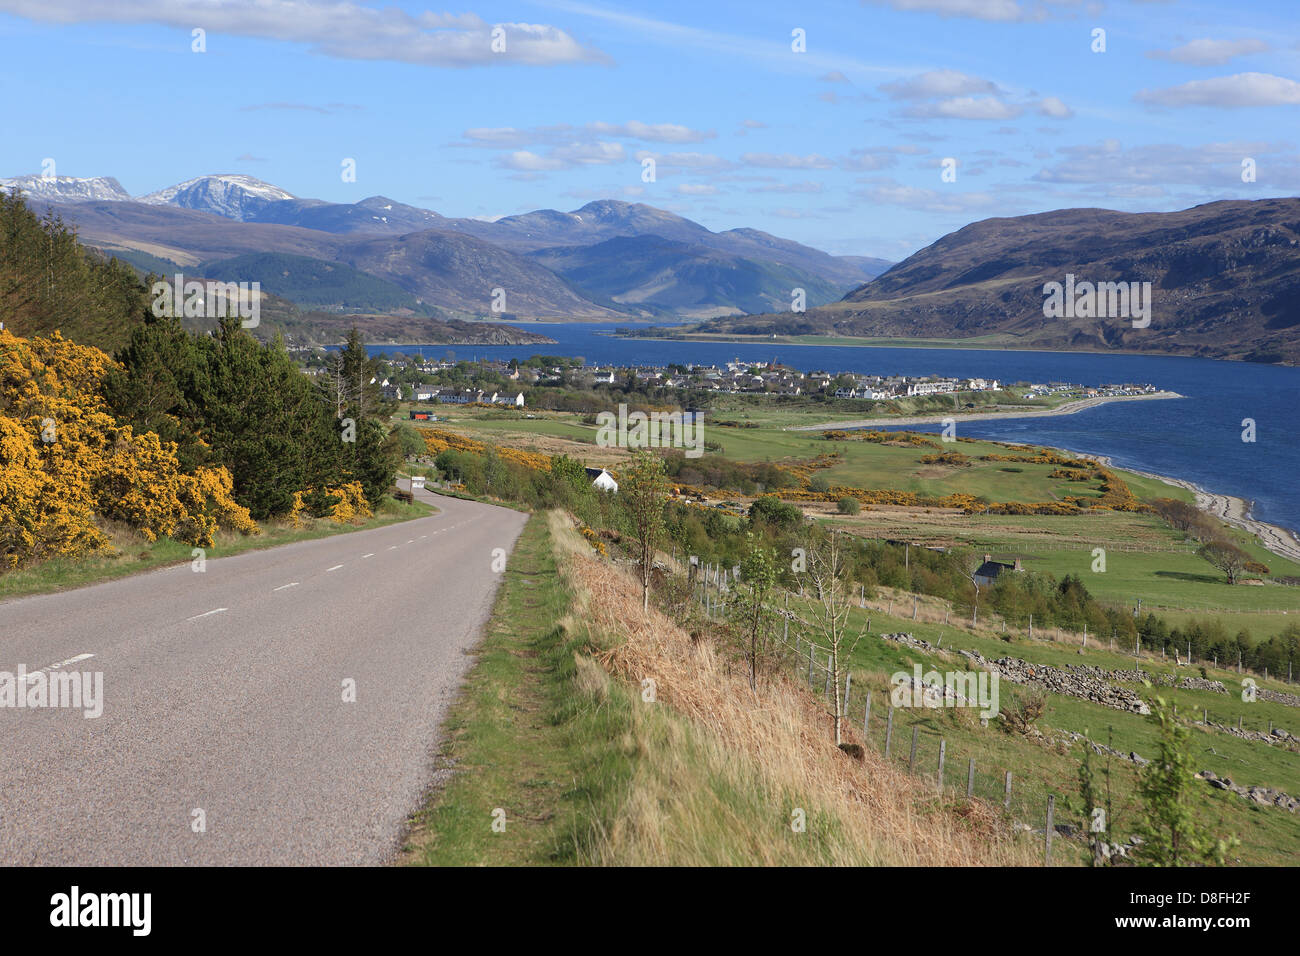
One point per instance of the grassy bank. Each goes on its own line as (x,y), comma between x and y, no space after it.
(135,554)
(558,727)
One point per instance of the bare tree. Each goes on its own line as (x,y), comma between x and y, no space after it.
(829,619)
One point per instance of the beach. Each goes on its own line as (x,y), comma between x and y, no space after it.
(935,418)
(1228,508)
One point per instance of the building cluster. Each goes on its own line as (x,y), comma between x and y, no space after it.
(1084,391)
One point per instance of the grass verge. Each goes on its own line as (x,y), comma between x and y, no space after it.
(555,729)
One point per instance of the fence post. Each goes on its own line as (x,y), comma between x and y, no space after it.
(970,778)
(866,715)
(911,760)
(827,691)
(943,746)
(1047,848)
(1006,801)
(848,683)
(889,730)
(810,662)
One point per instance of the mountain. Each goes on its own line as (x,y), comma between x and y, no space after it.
(233,196)
(312,283)
(609,219)
(220,217)
(678,277)
(460,273)
(377,215)
(67,188)
(1225,283)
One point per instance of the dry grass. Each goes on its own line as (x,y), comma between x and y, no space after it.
(719,771)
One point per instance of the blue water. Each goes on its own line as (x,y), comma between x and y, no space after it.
(1197,438)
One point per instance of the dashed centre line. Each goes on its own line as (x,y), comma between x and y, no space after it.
(335,568)
(31,675)
(292,584)
(208,613)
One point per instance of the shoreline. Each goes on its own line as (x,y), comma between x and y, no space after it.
(935,418)
(1227,508)
(1230,509)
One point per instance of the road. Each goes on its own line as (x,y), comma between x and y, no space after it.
(223,692)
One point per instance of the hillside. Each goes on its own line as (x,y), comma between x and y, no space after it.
(1225,283)
(679,277)
(219,217)
(312,283)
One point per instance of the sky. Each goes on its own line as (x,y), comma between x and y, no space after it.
(862,128)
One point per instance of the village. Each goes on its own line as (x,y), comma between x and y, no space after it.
(447,381)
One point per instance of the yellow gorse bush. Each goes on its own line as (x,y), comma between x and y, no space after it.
(64,461)
(352,504)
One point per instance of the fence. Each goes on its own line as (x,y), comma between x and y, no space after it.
(912,739)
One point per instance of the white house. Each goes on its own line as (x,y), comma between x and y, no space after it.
(602,479)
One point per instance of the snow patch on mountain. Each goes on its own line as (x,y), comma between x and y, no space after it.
(68,188)
(233,196)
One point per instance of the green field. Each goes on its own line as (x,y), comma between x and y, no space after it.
(1270,836)
(1144,557)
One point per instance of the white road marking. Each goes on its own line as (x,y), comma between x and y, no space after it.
(207,613)
(370,555)
(335,568)
(283,586)
(392,547)
(31,675)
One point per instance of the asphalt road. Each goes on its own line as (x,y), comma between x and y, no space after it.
(223,692)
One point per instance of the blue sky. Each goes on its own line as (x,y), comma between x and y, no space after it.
(840,146)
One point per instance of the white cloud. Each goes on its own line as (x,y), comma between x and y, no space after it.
(786,161)
(1227,92)
(926,200)
(1206,52)
(804,187)
(996,10)
(684,160)
(1054,107)
(965,107)
(1210,165)
(697,189)
(653,132)
(565,157)
(938,83)
(333,28)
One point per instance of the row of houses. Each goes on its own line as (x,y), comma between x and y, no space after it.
(878,388)
(452,396)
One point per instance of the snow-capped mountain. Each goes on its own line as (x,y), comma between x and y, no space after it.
(68,188)
(233,196)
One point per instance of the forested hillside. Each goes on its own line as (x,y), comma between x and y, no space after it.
(49,282)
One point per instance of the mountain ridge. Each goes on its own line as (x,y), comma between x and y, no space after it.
(1225,283)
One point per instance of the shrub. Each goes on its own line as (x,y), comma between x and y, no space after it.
(849,506)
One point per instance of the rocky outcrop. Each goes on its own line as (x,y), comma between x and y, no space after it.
(1264,796)
(1079,680)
